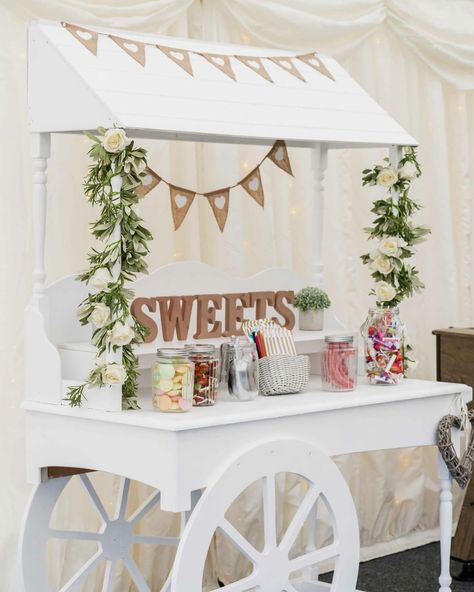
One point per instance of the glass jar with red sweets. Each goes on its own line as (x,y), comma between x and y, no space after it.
(339,363)
(206,375)
(172,380)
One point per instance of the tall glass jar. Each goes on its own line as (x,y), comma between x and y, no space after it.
(172,380)
(206,377)
(339,363)
(383,334)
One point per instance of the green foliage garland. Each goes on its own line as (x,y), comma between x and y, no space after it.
(108,309)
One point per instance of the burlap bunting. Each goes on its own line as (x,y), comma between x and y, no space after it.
(253,186)
(179,56)
(135,49)
(219,202)
(149,181)
(181,200)
(256,65)
(288,65)
(314,61)
(220,61)
(279,155)
(88,38)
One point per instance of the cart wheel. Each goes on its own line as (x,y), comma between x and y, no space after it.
(274,568)
(113,540)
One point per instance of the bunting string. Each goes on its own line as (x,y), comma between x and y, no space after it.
(182,57)
(182,198)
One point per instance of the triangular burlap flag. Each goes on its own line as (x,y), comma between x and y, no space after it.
(256,65)
(135,49)
(88,38)
(181,200)
(179,56)
(219,202)
(313,60)
(288,65)
(149,181)
(253,185)
(222,62)
(279,155)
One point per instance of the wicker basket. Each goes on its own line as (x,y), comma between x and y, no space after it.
(283,374)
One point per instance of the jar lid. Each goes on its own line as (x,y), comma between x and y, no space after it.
(200,348)
(171,352)
(339,338)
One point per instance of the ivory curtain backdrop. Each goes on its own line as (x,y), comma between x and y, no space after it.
(415,58)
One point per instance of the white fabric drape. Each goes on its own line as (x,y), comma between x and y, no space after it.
(415,59)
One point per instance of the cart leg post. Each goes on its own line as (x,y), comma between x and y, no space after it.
(445,526)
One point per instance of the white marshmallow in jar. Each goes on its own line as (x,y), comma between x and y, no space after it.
(172,376)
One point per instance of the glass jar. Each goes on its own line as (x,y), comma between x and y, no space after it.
(172,380)
(383,334)
(339,363)
(239,369)
(206,368)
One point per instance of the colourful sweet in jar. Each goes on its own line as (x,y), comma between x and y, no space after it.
(206,365)
(172,381)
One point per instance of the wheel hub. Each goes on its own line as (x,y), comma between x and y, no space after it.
(273,570)
(117,539)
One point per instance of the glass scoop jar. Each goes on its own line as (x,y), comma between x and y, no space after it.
(339,363)
(172,376)
(206,366)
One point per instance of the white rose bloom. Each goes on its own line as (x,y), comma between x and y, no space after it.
(121,334)
(374,253)
(382,265)
(384,292)
(387,177)
(101,278)
(113,374)
(407,171)
(389,246)
(115,140)
(100,315)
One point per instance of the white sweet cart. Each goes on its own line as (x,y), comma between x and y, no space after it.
(71,90)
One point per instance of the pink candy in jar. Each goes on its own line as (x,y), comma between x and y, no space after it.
(339,363)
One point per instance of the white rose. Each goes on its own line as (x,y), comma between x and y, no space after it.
(101,278)
(384,292)
(387,177)
(389,246)
(407,171)
(100,315)
(121,334)
(113,374)
(374,254)
(115,140)
(382,265)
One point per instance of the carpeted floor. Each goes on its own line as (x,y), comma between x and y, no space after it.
(411,571)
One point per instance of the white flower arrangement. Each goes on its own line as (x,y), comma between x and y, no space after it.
(107,308)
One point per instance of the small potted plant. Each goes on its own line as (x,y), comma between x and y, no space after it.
(311,303)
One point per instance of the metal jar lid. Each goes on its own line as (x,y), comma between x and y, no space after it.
(339,338)
(200,348)
(171,352)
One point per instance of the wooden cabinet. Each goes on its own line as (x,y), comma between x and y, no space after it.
(455,363)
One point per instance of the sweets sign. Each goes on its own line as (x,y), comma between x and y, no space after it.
(214,315)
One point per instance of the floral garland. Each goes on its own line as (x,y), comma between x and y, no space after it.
(121,259)
(395,278)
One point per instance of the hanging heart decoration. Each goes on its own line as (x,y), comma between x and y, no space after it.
(219,202)
(315,62)
(253,186)
(288,65)
(181,200)
(222,62)
(459,469)
(149,181)
(87,37)
(179,56)
(279,155)
(135,49)
(256,65)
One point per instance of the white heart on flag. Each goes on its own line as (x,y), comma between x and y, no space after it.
(279,154)
(285,64)
(253,64)
(146,180)
(254,184)
(131,47)
(180,200)
(219,201)
(84,35)
(177,54)
(219,61)
(314,61)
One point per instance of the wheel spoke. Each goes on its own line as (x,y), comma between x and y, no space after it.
(136,574)
(109,576)
(299,518)
(122,498)
(269,511)
(74,535)
(141,539)
(242,543)
(147,505)
(241,585)
(94,497)
(314,557)
(82,574)
(290,588)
